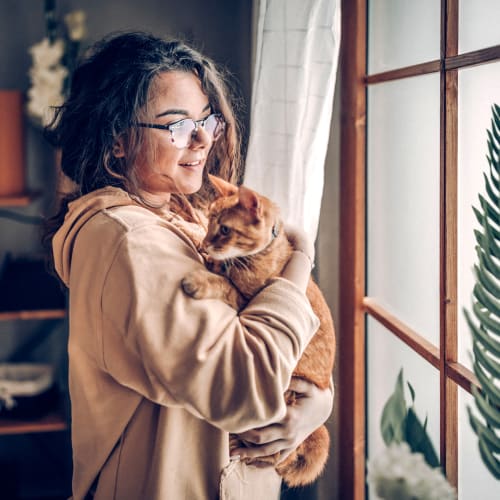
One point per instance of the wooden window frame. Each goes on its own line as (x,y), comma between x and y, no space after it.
(355,306)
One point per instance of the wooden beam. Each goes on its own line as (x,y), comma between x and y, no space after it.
(406,72)
(410,337)
(351,331)
(448,241)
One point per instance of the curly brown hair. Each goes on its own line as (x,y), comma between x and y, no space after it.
(109,93)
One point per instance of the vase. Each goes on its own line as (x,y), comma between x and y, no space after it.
(12,148)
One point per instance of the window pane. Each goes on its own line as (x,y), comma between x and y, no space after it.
(402,33)
(403,201)
(478,89)
(474,479)
(478,24)
(386,356)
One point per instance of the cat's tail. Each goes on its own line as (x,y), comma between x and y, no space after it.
(307,462)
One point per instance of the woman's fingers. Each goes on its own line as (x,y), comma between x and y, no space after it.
(259,451)
(262,435)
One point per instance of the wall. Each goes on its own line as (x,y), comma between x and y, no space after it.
(221,29)
(327,249)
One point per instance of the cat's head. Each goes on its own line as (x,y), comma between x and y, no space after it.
(241,222)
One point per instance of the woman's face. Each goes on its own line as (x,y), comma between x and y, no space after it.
(177,95)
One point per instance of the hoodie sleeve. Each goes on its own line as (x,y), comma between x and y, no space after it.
(230,369)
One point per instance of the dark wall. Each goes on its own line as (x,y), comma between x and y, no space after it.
(39,465)
(221,28)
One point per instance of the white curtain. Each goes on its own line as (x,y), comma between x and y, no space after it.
(296,57)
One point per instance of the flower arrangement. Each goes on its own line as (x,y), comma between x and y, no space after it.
(408,469)
(54,59)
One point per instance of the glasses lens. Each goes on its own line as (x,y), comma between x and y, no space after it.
(214,125)
(182,132)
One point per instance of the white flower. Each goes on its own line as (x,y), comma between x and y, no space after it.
(52,64)
(75,22)
(47,79)
(46,54)
(399,474)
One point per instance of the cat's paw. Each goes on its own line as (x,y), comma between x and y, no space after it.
(196,285)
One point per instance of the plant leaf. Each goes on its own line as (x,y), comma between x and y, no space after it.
(418,439)
(487,280)
(486,383)
(488,262)
(488,302)
(484,315)
(488,362)
(488,341)
(490,414)
(392,422)
(412,392)
(488,435)
(488,458)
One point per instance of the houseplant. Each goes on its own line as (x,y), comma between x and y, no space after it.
(408,468)
(484,321)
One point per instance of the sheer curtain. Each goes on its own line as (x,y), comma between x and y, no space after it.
(296,59)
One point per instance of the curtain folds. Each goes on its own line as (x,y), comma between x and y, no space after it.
(297,46)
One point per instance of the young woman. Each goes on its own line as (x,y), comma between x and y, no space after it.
(158,379)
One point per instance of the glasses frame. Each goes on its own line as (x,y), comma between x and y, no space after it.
(197,124)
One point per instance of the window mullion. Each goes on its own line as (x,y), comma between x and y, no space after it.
(448,232)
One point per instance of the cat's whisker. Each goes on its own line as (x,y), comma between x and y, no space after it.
(242,263)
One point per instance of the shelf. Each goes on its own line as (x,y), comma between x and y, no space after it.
(20,200)
(51,422)
(35,314)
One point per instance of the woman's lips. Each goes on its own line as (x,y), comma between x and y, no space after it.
(191,163)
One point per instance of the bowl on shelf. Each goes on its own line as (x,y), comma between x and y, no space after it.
(27,390)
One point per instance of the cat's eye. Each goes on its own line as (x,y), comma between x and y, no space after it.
(224,230)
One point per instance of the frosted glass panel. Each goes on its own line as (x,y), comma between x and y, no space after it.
(386,356)
(402,33)
(403,201)
(479,88)
(478,24)
(474,479)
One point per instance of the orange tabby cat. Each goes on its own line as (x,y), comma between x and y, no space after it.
(247,246)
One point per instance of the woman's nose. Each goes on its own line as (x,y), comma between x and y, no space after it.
(201,138)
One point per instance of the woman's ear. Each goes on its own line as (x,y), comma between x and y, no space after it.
(223,187)
(118,149)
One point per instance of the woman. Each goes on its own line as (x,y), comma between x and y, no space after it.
(157,379)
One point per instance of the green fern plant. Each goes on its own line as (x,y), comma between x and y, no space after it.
(485,329)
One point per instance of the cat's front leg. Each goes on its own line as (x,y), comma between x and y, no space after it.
(203,284)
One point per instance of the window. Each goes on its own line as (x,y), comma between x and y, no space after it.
(418,82)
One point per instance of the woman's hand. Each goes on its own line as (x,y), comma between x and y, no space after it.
(300,241)
(311,409)
(298,268)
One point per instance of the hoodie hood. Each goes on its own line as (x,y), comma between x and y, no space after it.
(79,212)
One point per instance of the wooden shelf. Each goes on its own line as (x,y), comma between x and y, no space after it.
(35,314)
(51,422)
(20,200)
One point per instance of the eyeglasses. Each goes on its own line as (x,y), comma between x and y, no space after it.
(183,131)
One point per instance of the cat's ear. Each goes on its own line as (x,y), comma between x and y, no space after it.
(250,201)
(223,187)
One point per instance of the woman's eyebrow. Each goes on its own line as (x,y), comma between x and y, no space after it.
(180,111)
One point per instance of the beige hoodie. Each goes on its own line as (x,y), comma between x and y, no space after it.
(158,379)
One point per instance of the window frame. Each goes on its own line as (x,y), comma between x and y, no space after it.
(355,306)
